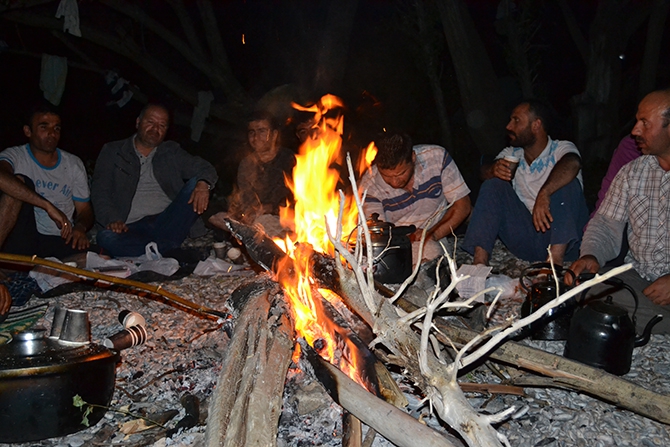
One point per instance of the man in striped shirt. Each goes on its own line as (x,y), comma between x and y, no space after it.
(407,184)
(640,197)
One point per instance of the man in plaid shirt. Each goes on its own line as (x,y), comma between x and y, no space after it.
(640,197)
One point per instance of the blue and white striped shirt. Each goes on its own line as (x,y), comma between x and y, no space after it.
(437,182)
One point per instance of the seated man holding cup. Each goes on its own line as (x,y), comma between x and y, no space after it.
(532,197)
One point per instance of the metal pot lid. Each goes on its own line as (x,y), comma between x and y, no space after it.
(387,229)
(607,308)
(32,352)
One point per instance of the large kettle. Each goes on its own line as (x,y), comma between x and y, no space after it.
(603,335)
(541,286)
(391,250)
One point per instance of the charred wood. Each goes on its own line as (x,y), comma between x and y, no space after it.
(395,425)
(246,404)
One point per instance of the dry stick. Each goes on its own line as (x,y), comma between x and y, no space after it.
(206,312)
(564,373)
(395,425)
(494,341)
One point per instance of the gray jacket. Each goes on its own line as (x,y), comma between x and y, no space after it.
(117,172)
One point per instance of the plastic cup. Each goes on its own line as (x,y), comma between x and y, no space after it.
(127,338)
(128,318)
(235,255)
(76,327)
(513,164)
(57,322)
(220,249)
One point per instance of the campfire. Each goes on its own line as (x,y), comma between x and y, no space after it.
(316,266)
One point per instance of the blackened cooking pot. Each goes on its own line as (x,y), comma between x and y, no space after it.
(39,377)
(391,250)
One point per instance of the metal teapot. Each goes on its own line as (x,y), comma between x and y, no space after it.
(603,335)
(391,250)
(540,285)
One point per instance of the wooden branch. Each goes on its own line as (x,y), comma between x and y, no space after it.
(246,404)
(218,50)
(395,425)
(226,84)
(565,373)
(128,48)
(204,311)
(187,26)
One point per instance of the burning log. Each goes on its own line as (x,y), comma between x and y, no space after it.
(395,425)
(246,404)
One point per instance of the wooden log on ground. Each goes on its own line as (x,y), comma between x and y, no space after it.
(564,373)
(395,425)
(246,405)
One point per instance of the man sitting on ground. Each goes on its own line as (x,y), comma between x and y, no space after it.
(44,208)
(148,190)
(261,186)
(407,184)
(638,197)
(542,206)
(44,189)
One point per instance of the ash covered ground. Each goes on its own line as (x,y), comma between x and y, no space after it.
(183,356)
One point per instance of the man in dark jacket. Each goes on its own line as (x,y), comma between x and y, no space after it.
(148,190)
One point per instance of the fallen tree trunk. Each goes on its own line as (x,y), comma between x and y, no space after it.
(246,405)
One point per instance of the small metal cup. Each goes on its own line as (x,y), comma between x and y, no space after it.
(220,249)
(76,327)
(57,322)
(127,338)
(513,164)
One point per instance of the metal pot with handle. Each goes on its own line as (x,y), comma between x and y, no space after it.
(39,376)
(602,334)
(540,285)
(391,250)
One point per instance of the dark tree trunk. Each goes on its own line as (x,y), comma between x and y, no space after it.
(478,86)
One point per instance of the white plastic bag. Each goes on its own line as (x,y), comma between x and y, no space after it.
(154,261)
(214,266)
(509,286)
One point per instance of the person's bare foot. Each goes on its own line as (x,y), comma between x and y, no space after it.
(481,256)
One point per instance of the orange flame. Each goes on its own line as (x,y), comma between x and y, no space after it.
(314,184)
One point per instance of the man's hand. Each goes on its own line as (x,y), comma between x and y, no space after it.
(61,221)
(586,263)
(5,300)
(659,291)
(501,169)
(79,239)
(117,227)
(542,217)
(200,197)
(416,236)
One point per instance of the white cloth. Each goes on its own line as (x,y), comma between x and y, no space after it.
(52,77)
(529,179)
(61,185)
(70,10)
(200,114)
